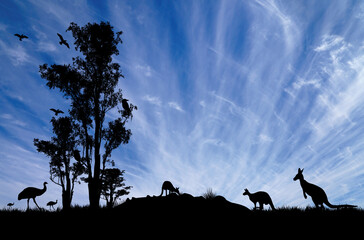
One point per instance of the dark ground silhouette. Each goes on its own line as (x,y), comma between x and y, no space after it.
(175,215)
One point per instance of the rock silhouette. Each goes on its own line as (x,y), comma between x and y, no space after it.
(183,207)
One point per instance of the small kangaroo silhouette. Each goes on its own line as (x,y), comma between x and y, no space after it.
(260,197)
(317,194)
(167,185)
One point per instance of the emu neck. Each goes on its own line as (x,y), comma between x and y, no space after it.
(44,189)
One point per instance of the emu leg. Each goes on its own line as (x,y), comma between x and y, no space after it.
(36,203)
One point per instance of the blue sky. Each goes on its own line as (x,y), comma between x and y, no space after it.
(230,95)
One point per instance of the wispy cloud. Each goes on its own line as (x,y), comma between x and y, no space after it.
(152,100)
(18,54)
(146,70)
(175,106)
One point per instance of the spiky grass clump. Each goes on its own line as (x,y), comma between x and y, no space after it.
(209,194)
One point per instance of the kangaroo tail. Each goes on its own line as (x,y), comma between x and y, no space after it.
(346,206)
(339,206)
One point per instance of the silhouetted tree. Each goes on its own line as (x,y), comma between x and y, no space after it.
(91,85)
(61,149)
(113,186)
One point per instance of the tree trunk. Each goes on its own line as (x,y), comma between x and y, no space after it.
(94,194)
(94,188)
(66,190)
(66,200)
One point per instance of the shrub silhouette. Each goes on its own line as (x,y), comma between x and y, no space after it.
(209,194)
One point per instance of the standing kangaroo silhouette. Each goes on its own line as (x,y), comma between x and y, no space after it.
(260,197)
(317,194)
(167,185)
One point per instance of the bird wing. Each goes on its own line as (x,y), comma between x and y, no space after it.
(60,37)
(24,36)
(59,111)
(66,43)
(52,109)
(17,35)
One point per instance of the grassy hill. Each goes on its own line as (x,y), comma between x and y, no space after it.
(185,213)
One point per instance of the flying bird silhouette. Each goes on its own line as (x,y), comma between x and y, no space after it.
(31,192)
(56,111)
(20,36)
(62,41)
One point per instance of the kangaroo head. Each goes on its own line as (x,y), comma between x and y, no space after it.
(299,175)
(177,190)
(246,191)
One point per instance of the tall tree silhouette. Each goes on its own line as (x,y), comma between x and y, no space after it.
(61,149)
(90,83)
(113,186)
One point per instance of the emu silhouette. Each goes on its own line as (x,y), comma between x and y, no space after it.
(260,197)
(31,192)
(51,204)
(167,185)
(10,204)
(317,194)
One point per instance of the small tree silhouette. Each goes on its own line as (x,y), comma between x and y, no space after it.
(61,149)
(113,185)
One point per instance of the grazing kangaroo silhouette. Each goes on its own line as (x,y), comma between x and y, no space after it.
(317,194)
(167,185)
(260,197)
